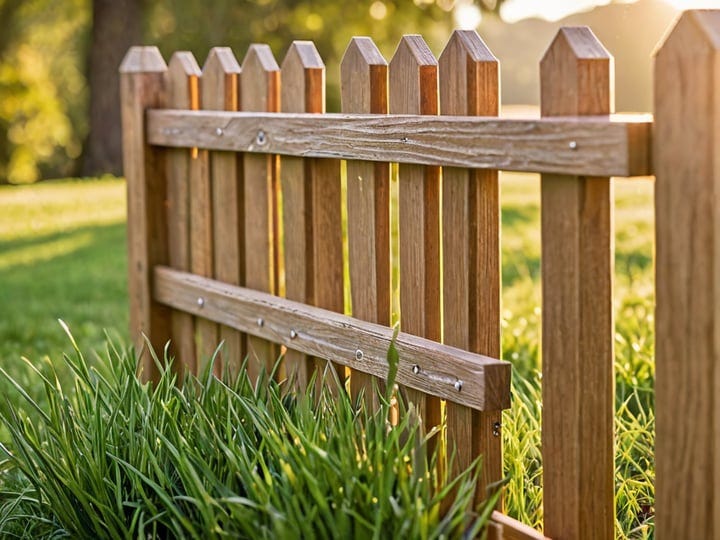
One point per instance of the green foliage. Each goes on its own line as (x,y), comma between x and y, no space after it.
(42,88)
(111,457)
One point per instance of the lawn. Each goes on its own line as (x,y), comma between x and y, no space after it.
(62,255)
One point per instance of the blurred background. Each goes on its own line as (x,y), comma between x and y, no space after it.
(59,112)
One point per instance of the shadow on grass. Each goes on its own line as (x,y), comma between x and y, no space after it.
(83,282)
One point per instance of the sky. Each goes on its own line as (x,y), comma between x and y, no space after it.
(468,16)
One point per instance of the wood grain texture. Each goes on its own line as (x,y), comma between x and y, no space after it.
(220,91)
(577,282)
(515,530)
(202,244)
(469,86)
(260,91)
(337,337)
(604,145)
(363,89)
(687,163)
(182,92)
(142,86)
(311,195)
(413,90)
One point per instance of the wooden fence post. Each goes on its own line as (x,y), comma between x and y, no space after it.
(686,153)
(260,91)
(577,320)
(311,194)
(142,86)
(219,85)
(363,88)
(469,86)
(413,90)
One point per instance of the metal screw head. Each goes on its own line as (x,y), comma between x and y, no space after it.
(496,429)
(358,355)
(201,302)
(260,321)
(219,132)
(416,369)
(572,145)
(261,138)
(458,385)
(293,334)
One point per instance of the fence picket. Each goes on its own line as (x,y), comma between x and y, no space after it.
(201,244)
(363,89)
(142,86)
(577,320)
(413,90)
(311,205)
(469,86)
(260,91)
(182,93)
(219,91)
(686,150)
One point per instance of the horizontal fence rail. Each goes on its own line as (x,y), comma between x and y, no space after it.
(612,145)
(446,372)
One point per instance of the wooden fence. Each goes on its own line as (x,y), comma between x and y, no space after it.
(225,162)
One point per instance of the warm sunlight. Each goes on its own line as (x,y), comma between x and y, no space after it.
(553,10)
(694,4)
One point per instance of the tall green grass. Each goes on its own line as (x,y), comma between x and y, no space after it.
(111,457)
(62,254)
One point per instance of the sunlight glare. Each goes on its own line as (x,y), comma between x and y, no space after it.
(694,4)
(467,16)
(551,10)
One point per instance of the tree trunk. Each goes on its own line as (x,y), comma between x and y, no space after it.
(117,24)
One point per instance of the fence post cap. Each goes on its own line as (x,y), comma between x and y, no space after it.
(221,59)
(414,47)
(362,48)
(303,53)
(143,60)
(471,44)
(695,25)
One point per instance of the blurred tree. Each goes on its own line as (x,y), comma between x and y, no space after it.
(116,26)
(59,105)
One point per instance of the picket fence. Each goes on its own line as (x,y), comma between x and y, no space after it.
(235,232)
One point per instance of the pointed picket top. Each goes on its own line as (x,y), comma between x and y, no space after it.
(363,78)
(303,76)
(143,60)
(183,74)
(219,83)
(576,75)
(260,80)
(469,83)
(698,27)
(413,78)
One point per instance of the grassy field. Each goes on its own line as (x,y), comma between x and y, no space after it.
(62,255)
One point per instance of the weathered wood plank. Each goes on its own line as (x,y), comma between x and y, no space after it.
(602,145)
(201,244)
(311,195)
(577,283)
(413,89)
(429,367)
(260,91)
(182,92)
(363,89)
(686,151)
(142,85)
(220,91)
(469,86)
